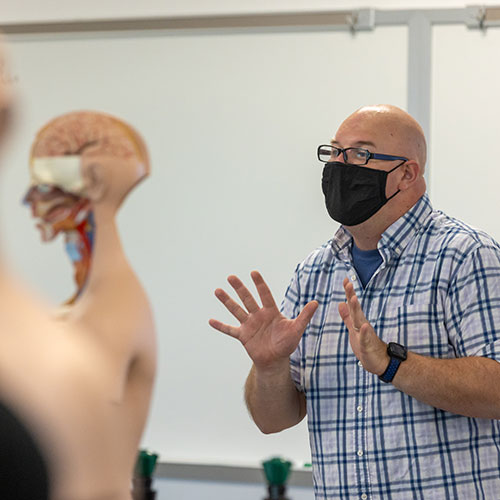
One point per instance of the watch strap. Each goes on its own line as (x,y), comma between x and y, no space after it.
(391,370)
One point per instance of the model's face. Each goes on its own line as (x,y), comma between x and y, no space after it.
(55,209)
(55,194)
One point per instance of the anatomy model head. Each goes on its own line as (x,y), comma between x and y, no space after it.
(82,165)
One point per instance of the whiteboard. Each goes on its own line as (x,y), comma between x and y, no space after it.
(232,121)
(465,171)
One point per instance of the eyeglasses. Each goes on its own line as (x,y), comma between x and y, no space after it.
(355,156)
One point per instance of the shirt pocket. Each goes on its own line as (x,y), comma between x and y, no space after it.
(419,327)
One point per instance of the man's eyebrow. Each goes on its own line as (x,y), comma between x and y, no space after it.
(356,144)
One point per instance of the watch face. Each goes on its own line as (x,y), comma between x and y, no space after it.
(397,350)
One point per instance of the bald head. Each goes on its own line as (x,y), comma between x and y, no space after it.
(390,129)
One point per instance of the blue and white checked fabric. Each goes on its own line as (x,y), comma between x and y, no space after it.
(437,292)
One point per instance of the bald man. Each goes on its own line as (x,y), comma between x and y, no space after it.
(400,382)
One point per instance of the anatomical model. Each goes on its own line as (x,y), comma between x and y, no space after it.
(82,166)
(65,433)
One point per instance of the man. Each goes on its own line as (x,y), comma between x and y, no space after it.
(401,403)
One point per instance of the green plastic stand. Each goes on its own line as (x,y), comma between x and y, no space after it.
(143,476)
(277,471)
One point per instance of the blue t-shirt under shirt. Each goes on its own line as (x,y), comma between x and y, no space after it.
(365,262)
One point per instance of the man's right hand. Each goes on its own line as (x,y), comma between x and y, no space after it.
(267,335)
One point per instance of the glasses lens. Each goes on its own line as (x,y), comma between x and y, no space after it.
(328,153)
(357,156)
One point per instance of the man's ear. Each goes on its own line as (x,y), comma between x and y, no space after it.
(94,179)
(411,174)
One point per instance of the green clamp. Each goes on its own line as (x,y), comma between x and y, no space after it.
(277,471)
(145,464)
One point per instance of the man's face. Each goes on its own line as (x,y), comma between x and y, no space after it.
(56,209)
(377,136)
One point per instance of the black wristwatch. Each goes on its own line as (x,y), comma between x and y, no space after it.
(398,354)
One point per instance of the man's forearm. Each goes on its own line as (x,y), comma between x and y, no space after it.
(466,386)
(272,398)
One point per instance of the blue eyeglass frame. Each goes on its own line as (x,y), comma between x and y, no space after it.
(370,155)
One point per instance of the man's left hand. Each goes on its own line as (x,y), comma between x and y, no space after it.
(366,345)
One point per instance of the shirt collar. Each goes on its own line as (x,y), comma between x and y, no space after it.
(395,238)
(398,235)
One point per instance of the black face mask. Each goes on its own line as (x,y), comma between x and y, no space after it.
(354,193)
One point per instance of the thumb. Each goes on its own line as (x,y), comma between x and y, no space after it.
(302,320)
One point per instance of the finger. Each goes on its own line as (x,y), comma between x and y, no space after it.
(349,289)
(302,320)
(232,331)
(345,314)
(357,314)
(243,293)
(264,293)
(231,305)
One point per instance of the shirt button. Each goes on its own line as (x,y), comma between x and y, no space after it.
(353,277)
(359,409)
(360,364)
(360,453)
(364,496)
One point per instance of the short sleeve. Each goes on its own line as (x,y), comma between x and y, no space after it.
(473,304)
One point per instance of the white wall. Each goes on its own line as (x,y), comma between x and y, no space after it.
(15,11)
(232,122)
(465,173)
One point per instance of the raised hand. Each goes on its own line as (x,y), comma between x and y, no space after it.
(366,345)
(267,335)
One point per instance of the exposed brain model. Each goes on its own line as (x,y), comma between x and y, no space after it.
(82,166)
(73,133)
(57,195)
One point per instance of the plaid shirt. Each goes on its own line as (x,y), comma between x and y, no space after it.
(436,292)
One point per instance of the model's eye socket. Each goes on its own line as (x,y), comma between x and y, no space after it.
(44,188)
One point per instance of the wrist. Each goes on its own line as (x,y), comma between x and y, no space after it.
(272,370)
(397,354)
(385,359)
(376,362)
